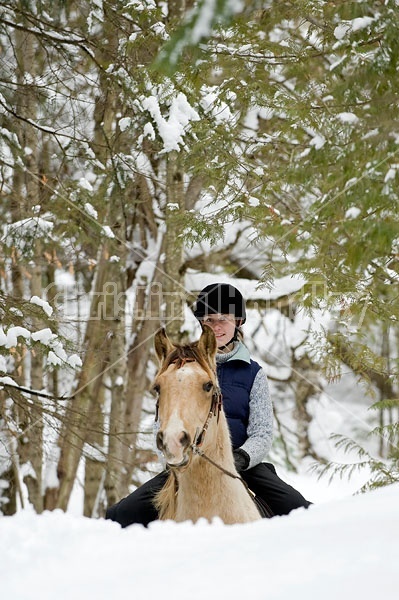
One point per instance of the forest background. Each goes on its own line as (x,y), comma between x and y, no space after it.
(140,159)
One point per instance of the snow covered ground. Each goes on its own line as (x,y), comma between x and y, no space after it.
(344,548)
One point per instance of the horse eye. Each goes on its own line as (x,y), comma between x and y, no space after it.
(156,389)
(207,386)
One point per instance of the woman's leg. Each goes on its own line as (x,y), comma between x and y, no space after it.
(138,507)
(281,497)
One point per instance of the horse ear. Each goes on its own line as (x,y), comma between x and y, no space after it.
(163,345)
(207,344)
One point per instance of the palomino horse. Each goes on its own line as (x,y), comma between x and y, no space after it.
(194,437)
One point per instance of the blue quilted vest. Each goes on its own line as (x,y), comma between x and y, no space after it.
(235,380)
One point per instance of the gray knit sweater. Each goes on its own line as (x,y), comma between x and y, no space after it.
(260,423)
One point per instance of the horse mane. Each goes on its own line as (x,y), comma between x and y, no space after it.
(187,352)
(165,499)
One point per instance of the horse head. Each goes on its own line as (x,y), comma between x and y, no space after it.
(186,385)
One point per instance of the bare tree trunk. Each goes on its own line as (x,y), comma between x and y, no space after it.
(127,404)
(379,378)
(34,446)
(174,291)
(385,390)
(104,327)
(117,425)
(94,457)
(98,467)
(139,354)
(306,380)
(31,443)
(11,491)
(77,416)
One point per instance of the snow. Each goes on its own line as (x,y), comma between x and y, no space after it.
(171,129)
(9,339)
(74,361)
(355,25)
(91,211)
(43,304)
(361,23)
(44,336)
(347,117)
(64,279)
(107,231)
(124,123)
(317,141)
(20,231)
(211,103)
(346,548)
(50,479)
(85,184)
(7,381)
(148,131)
(343,547)
(352,212)
(248,287)
(391,173)
(53,359)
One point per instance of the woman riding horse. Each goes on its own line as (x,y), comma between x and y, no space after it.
(248,409)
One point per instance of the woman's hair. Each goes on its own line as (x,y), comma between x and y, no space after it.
(240,334)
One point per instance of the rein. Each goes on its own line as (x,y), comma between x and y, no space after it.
(263,508)
(202,454)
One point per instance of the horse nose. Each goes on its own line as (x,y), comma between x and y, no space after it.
(185,439)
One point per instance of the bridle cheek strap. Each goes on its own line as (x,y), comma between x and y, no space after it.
(214,411)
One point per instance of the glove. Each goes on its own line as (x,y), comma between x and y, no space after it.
(241,459)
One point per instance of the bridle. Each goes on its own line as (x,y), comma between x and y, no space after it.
(214,411)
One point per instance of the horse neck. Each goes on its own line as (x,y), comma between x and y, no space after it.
(216,445)
(202,487)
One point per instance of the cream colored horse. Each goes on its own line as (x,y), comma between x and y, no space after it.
(194,437)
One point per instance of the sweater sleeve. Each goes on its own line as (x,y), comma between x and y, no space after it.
(260,422)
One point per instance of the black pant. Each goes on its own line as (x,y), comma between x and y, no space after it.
(262,480)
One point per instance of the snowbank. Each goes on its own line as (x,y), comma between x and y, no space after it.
(345,549)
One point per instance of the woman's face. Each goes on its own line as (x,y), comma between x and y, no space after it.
(223,327)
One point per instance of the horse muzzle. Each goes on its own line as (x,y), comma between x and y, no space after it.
(175,448)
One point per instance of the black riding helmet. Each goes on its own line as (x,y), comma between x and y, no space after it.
(220,298)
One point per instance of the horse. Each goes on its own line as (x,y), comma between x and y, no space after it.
(194,438)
